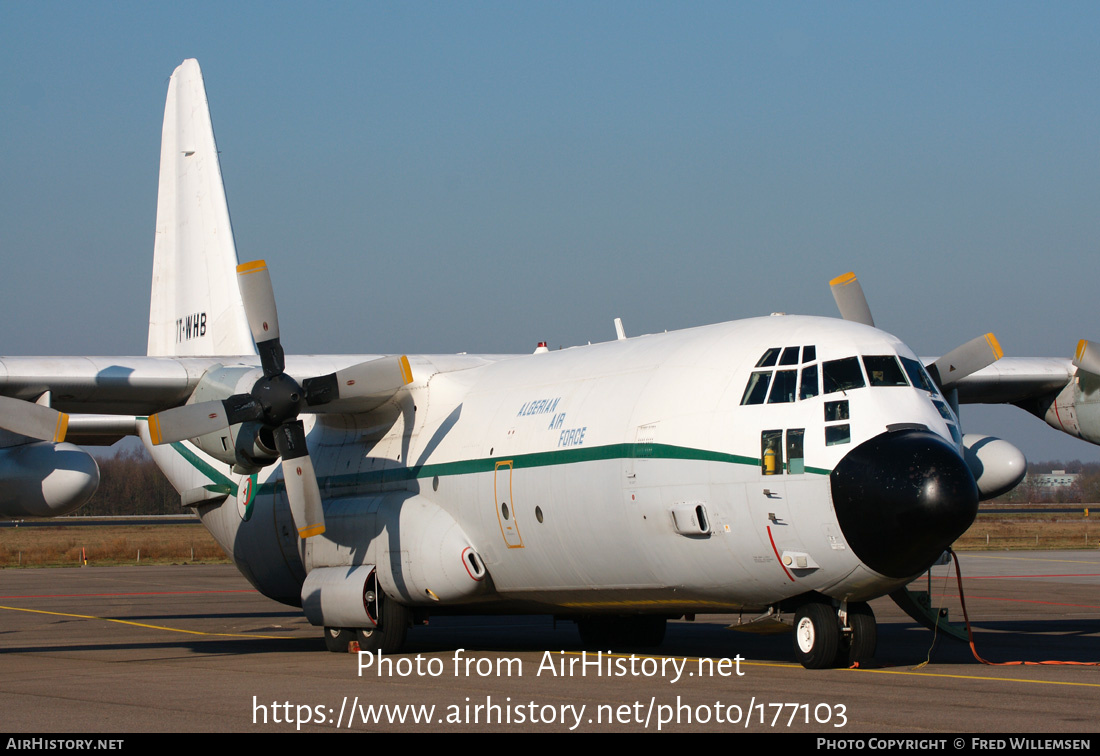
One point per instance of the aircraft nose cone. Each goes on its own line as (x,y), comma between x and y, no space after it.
(901,498)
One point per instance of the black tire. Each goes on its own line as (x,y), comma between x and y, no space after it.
(595,632)
(647,632)
(602,633)
(860,646)
(393,625)
(816,635)
(338,638)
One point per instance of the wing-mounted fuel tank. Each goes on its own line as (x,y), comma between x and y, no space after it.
(247,446)
(44,479)
(423,556)
(997,465)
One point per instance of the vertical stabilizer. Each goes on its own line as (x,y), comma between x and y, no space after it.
(196,308)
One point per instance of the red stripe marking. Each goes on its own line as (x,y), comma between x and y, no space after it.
(1002,577)
(1059,416)
(776,552)
(1027,601)
(142,593)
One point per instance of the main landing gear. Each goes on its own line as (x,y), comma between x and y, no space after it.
(604,632)
(826,637)
(388,636)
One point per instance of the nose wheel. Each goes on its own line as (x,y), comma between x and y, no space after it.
(822,641)
(858,645)
(816,635)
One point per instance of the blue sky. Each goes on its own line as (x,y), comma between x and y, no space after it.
(441,177)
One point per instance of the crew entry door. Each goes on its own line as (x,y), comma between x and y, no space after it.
(506,512)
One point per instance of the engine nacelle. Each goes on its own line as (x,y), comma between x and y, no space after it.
(243,445)
(997,466)
(45,480)
(1075,409)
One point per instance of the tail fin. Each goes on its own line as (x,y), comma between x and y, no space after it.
(196,308)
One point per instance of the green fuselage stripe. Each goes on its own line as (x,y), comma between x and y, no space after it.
(221,483)
(488,464)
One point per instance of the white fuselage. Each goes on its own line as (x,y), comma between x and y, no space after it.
(571,474)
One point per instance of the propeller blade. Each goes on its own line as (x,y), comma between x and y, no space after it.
(33,420)
(300,479)
(1088,356)
(194,420)
(254,281)
(850,299)
(960,362)
(371,383)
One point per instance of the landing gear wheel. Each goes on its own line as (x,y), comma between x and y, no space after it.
(595,632)
(393,624)
(604,632)
(338,638)
(816,635)
(859,647)
(647,631)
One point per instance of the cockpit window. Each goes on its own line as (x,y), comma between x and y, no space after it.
(842,375)
(883,370)
(809,382)
(757,388)
(945,413)
(769,358)
(790,356)
(918,375)
(783,387)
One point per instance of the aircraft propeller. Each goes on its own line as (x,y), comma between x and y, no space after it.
(978,353)
(33,420)
(850,299)
(276,400)
(1087,357)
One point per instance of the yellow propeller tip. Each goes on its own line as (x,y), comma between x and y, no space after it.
(844,279)
(311,530)
(995,345)
(406,370)
(251,267)
(62,428)
(154,430)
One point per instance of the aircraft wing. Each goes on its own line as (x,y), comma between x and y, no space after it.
(108,385)
(1012,380)
(1063,394)
(145,385)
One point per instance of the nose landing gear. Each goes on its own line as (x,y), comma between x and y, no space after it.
(826,637)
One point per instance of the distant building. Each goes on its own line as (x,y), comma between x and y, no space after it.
(1053,479)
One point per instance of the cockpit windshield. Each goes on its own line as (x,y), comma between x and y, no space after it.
(779,386)
(842,375)
(918,375)
(883,370)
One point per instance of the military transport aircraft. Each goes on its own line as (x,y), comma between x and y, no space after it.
(786,466)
